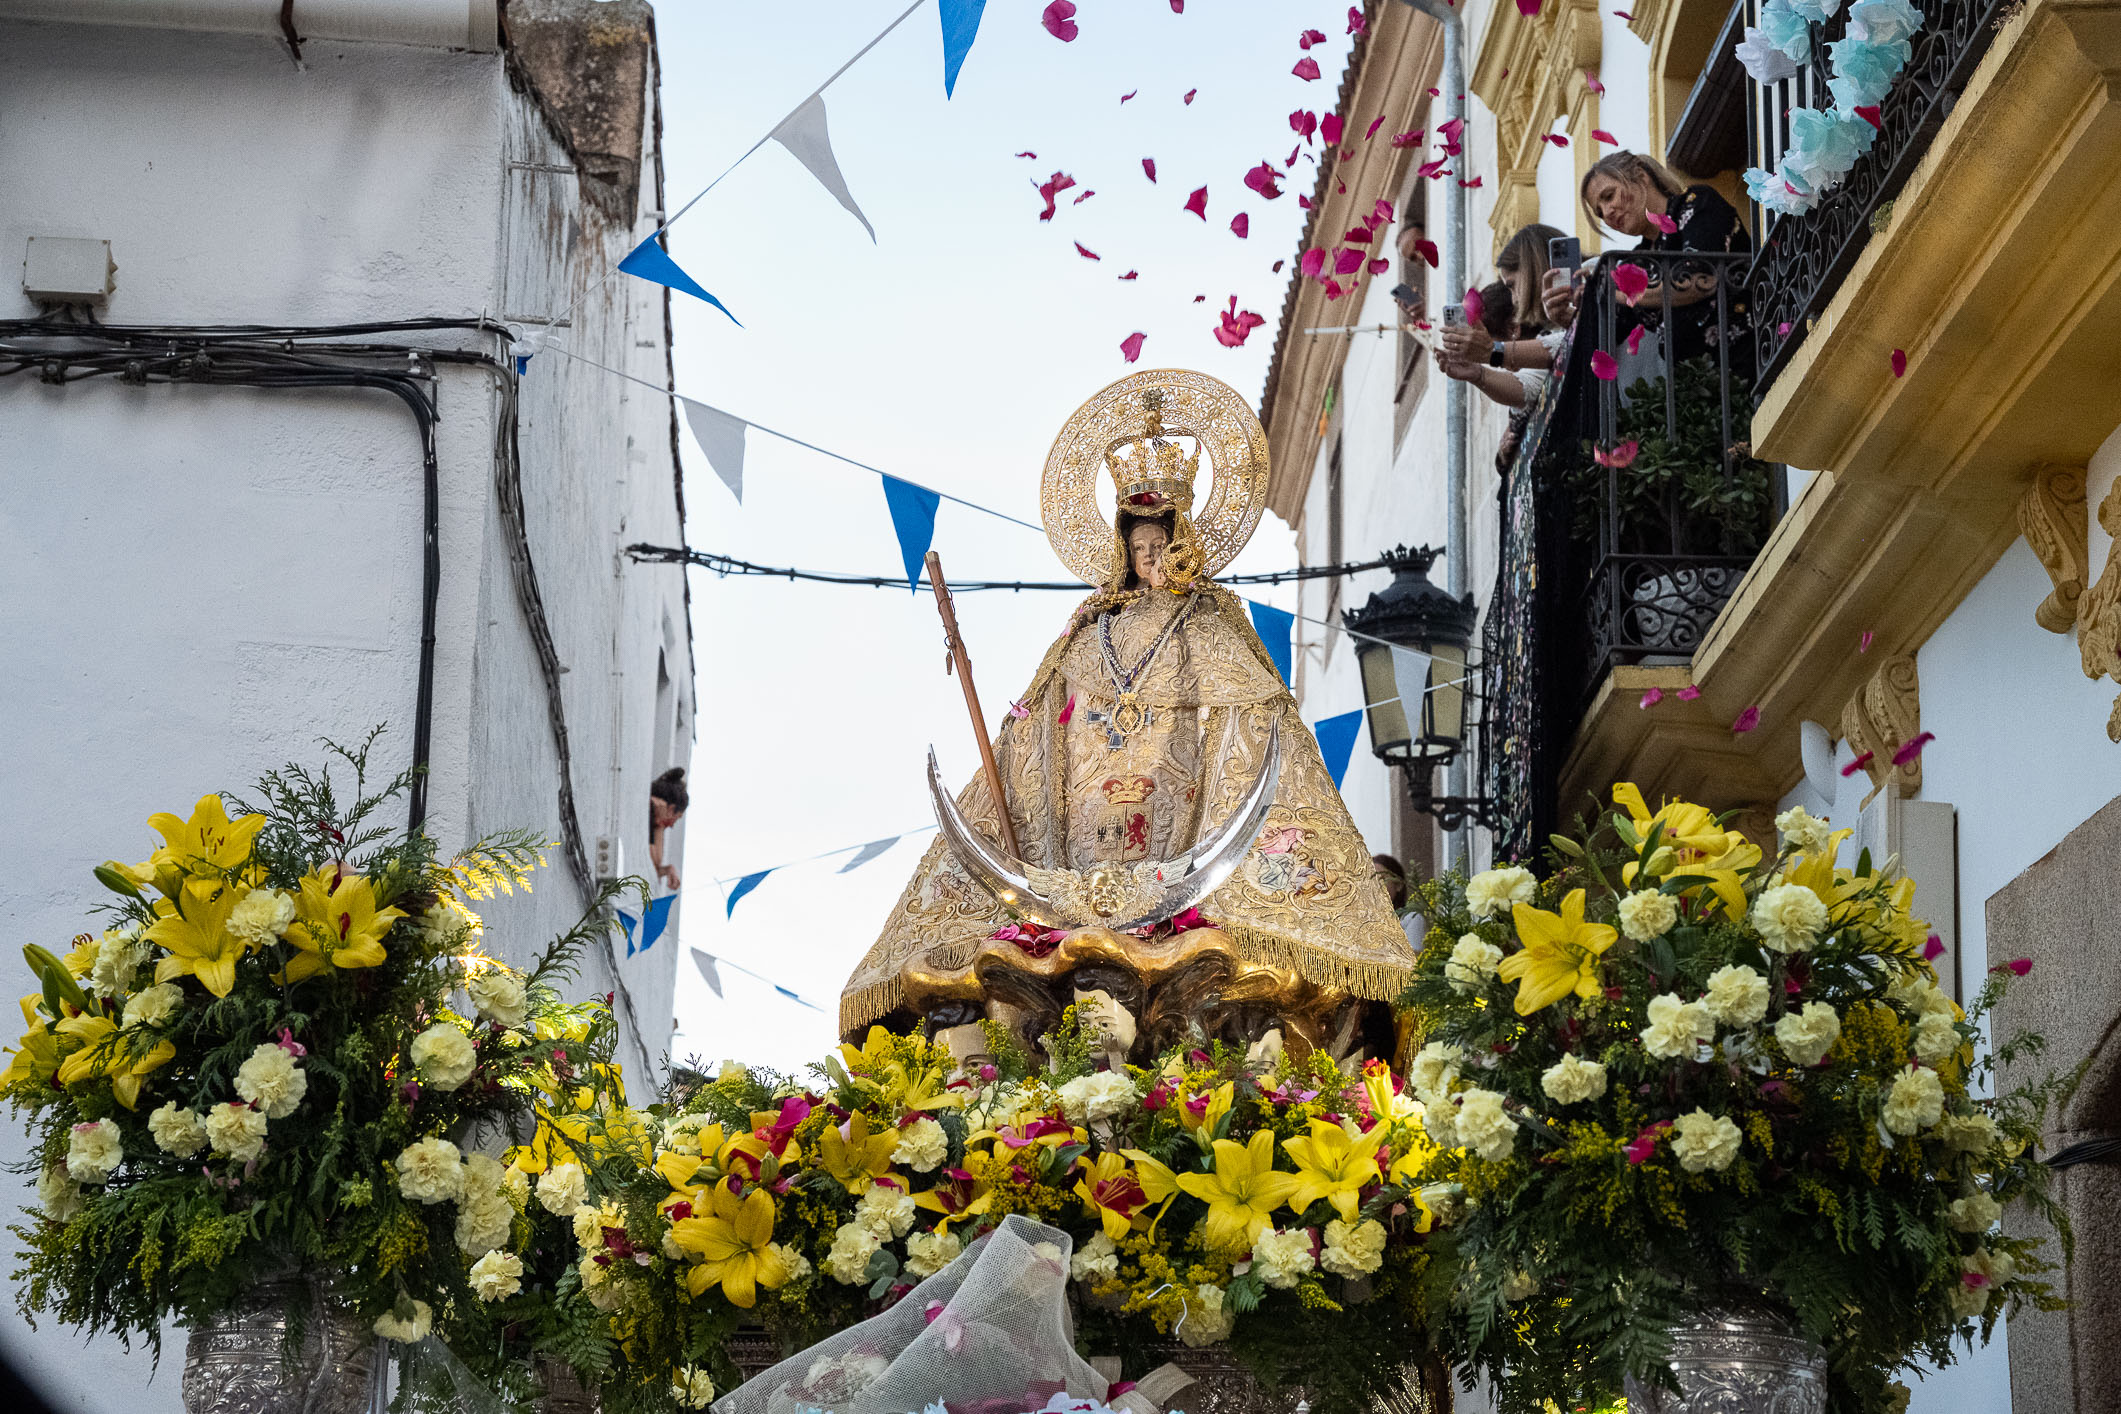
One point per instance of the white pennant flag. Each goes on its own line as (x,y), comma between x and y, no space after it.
(803,133)
(721,437)
(708,972)
(868,852)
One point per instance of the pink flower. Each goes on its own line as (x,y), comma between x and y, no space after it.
(1747,720)
(1603,366)
(1018,710)
(1899,363)
(1306,68)
(1601,135)
(1198,203)
(289,1044)
(1644,1143)
(1240,225)
(1059,20)
(1651,698)
(1689,693)
(1631,280)
(2019,966)
(1913,749)
(1149,168)
(1131,346)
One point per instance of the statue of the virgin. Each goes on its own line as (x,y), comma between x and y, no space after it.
(1184,852)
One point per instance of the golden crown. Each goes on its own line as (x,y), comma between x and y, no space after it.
(1151,469)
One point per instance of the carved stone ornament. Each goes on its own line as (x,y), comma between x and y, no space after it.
(1883,716)
(2051,516)
(2099,611)
(238,1363)
(1732,1363)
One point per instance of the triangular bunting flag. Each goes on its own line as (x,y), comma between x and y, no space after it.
(1274,627)
(867,852)
(708,973)
(960,28)
(744,886)
(1336,742)
(650,262)
(913,517)
(1411,671)
(641,933)
(804,134)
(721,437)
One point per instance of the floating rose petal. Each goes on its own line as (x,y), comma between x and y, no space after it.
(1236,325)
(1086,253)
(1131,346)
(1858,764)
(1412,139)
(1240,225)
(1688,693)
(1330,129)
(1528,8)
(1870,114)
(1635,340)
(1069,710)
(1178,7)
(1747,720)
(1782,330)
(1050,188)
(1474,307)
(1590,81)
(1357,25)
(1313,263)
(1277,266)
(1346,261)
(1451,132)
(1631,280)
(1863,644)
(1059,20)
(1899,362)
(1131,275)
(1913,749)
(1603,366)
(1621,457)
(1933,948)
(1651,698)
(1428,252)
(1200,299)
(1601,135)
(1149,168)
(1189,96)
(1032,155)
(1198,202)
(1383,212)
(2017,966)
(1661,221)
(1357,235)
(1303,122)
(1379,266)
(1306,68)
(1018,710)
(1125,96)
(1474,183)
(1088,192)
(1334,290)
(1302,201)
(1371,131)
(1291,162)
(1556,138)
(1261,179)
(1624,15)
(1310,37)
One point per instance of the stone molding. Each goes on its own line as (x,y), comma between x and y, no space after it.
(1881,717)
(2051,516)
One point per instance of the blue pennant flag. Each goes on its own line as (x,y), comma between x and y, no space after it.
(960,28)
(744,886)
(1274,627)
(1336,742)
(641,933)
(652,263)
(913,517)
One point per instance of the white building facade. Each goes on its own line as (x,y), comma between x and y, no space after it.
(285,479)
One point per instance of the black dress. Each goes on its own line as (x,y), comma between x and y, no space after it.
(1703,221)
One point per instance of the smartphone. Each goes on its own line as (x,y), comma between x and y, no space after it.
(1405,294)
(1564,253)
(1454,314)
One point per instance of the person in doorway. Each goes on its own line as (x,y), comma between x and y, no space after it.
(667,799)
(1513,367)
(1411,238)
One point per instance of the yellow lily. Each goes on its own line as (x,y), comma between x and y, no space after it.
(208,845)
(337,924)
(857,1158)
(82,960)
(1333,1164)
(194,930)
(1200,1113)
(1242,1193)
(1560,954)
(36,1060)
(733,1246)
(1412,1152)
(1698,844)
(1377,1088)
(958,1196)
(107,1051)
(881,1068)
(1111,1190)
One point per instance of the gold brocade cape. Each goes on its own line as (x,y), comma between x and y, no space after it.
(1305,899)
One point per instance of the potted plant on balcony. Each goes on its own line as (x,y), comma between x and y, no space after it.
(256,1101)
(1717,1124)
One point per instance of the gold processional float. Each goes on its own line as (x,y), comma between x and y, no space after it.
(1174,858)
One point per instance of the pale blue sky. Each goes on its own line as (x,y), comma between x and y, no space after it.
(950,352)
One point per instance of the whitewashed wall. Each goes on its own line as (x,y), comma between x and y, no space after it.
(200,581)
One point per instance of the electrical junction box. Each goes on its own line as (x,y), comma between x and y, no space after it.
(68,270)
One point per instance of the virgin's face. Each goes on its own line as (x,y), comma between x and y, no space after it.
(1145,550)
(1620,204)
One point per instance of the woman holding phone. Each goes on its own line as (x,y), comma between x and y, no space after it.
(1512,370)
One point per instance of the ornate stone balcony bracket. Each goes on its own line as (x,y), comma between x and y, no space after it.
(1883,716)
(2051,516)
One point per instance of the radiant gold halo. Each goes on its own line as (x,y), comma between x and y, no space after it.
(1206,409)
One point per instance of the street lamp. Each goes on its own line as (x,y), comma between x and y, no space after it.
(1412,642)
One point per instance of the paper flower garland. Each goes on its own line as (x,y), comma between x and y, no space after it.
(1825,143)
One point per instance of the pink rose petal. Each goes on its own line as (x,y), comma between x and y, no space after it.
(1651,698)
(1601,135)
(1863,644)
(1032,155)
(1303,122)
(1310,37)
(1603,366)
(1277,266)
(1428,252)
(1149,168)
(1407,139)
(1330,129)
(1661,221)
(1899,362)
(1241,225)
(1189,93)
(1235,325)
(1624,15)
(1933,949)
(1131,346)
(1262,180)
(1125,96)
(1088,192)
(2017,966)
(1382,212)
(1590,81)
(1069,710)
(1313,263)
(1688,693)
(1357,25)
(1059,20)
(1913,750)
(1475,307)
(1870,114)
(1346,261)
(1858,764)
(1556,138)
(1379,266)
(1635,340)
(1371,131)
(1747,720)
(1198,203)
(1528,8)
(1086,253)
(1631,280)
(1474,183)
(1306,68)
(1050,188)
(1018,710)
(1131,275)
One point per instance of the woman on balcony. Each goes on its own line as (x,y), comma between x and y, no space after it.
(1511,370)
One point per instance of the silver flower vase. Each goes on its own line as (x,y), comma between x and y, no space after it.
(240,1363)
(564,1391)
(1738,1362)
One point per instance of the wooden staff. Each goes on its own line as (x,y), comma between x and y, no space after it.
(963,668)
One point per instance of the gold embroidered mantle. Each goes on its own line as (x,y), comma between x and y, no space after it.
(1084,793)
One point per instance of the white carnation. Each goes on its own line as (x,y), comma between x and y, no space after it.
(1572,1079)
(483,1174)
(692,1387)
(1915,1102)
(1790,917)
(119,957)
(1490,893)
(497,1275)
(886,1211)
(154,1005)
(262,916)
(516,1185)
(1737,995)
(1936,1036)
(59,1194)
(922,1146)
(1975,1213)
(93,1151)
(589,1224)
(1096,1097)
(1473,961)
(1439,1120)
(1354,1249)
(1096,1260)
(852,1247)
(444,1056)
(794,1262)
(1519,1285)
(1808,1035)
(272,1081)
(1676,1028)
(1967,1134)
(499,995)
(430,1171)
(1704,1141)
(1804,830)
(929,1252)
(1484,1126)
(484,1220)
(1206,1320)
(1435,1070)
(1283,1257)
(1919,995)
(237,1131)
(561,1189)
(410,1329)
(1647,914)
(177,1130)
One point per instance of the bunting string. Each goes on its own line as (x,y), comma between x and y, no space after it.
(711,964)
(726,565)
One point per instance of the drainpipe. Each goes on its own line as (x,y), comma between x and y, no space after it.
(1459,841)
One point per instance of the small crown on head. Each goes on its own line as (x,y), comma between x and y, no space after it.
(1151,470)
